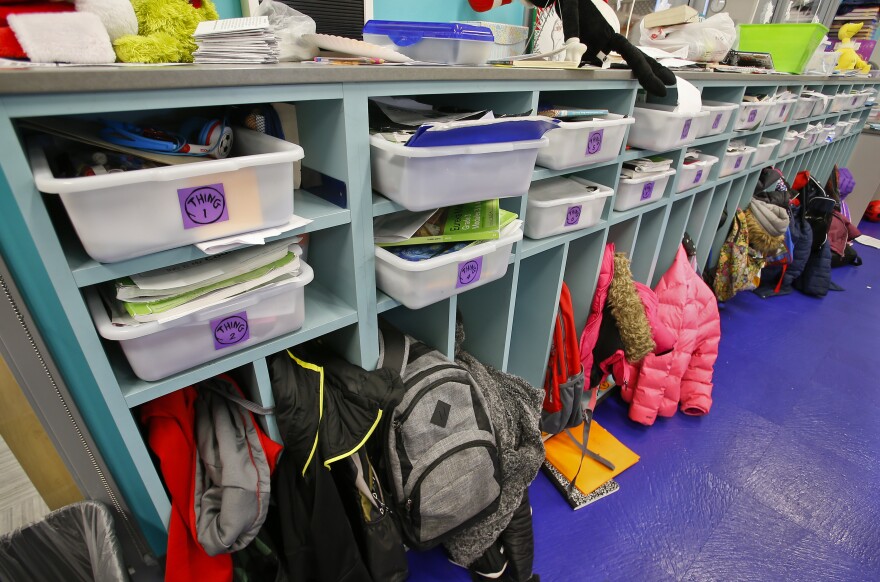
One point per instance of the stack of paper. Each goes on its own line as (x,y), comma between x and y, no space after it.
(236,40)
(640,167)
(172,292)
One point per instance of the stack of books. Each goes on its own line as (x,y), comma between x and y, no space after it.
(236,41)
(418,236)
(641,167)
(173,292)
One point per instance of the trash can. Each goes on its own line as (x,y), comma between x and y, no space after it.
(75,543)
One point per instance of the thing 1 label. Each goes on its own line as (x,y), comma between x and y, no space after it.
(686,129)
(230,330)
(202,205)
(698,176)
(753,114)
(647,190)
(717,121)
(573,215)
(594,142)
(738,163)
(469,272)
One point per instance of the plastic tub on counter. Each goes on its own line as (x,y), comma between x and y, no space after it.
(434,42)
(577,143)
(660,127)
(804,107)
(558,205)
(779,111)
(764,151)
(422,178)
(718,118)
(123,215)
(789,144)
(735,162)
(419,283)
(695,174)
(157,350)
(632,192)
(751,115)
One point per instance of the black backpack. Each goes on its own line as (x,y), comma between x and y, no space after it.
(441,453)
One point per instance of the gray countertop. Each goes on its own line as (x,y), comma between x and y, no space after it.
(86,79)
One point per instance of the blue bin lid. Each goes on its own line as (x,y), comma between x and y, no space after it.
(404,33)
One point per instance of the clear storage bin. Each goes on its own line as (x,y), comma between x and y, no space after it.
(789,145)
(660,127)
(811,136)
(632,192)
(696,174)
(434,42)
(862,99)
(124,215)
(576,143)
(433,177)
(419,283)
(157,350)
(804,107)
(751,115)
(779,111)
(764,151)
(735,162)
(560,205)
(825,134)
(840,102)
(718,118)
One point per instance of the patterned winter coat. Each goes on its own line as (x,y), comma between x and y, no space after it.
(683,377)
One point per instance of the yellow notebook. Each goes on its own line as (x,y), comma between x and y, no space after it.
(563,454)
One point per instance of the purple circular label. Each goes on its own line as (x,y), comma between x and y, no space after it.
(686,129)
(573,215)
(594,141)
(647,190)
(203,205)
(469,271)
(230,330)
(698,176)
(717,121)
(753,114)
(738,163)
(784,107)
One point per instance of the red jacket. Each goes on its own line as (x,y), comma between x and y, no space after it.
(682,377)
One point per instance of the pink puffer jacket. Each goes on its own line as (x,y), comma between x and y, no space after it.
(684,376)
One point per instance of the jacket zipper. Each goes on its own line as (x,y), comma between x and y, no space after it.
(486,444)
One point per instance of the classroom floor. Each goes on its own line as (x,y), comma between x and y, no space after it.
(781,481)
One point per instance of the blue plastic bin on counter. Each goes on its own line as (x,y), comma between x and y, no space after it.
(435,42)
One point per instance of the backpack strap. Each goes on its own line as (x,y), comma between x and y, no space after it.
(246,404)
(393,348)
(585,452)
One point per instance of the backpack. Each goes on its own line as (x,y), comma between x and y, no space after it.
(441,453)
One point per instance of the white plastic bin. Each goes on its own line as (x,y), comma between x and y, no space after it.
(660,127)
(804,107)
(751,115)
(433,177)
(862,99)
(577,143)
(823,104)
(718,118)
(124,215)
(811,136)
(789,145)
(560,205)
(735,162)
(764,151)
(157,350)
(696,174)
(632,192)
(419,283)
(779,111)
(840,102)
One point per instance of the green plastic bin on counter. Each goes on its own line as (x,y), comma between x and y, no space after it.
(791,45)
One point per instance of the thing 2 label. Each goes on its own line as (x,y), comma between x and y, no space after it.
(203,205)
(469,272)
(230,330)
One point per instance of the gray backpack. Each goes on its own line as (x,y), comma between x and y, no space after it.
(441,452)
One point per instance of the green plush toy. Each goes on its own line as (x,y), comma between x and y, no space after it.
(165,29)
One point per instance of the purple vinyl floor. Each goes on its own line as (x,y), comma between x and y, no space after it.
(781,481)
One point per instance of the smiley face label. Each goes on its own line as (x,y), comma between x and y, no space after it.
(230,330)
(203,205)
(594,142)
(647,190)
(469,272)
(573,215)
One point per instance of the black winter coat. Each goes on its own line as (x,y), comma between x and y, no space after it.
(802,240)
